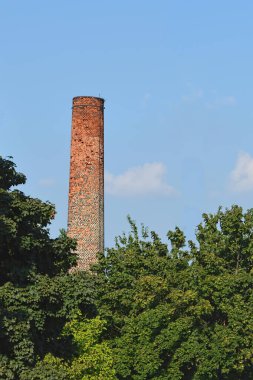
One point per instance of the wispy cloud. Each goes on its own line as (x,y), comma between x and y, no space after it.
(145,100)
(193,96)
(148,179)
(241,177)
(224,101)
(207,99)
(46,182)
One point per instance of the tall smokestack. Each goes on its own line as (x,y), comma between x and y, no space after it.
(86,183)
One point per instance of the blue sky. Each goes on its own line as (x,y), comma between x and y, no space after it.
(177,79)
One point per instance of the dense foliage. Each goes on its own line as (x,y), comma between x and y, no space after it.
(37,294)
(177,313)
(148,310)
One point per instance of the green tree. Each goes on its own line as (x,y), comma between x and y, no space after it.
(37,293)
(177,313)
(167,311)
(93,358)
(26,248)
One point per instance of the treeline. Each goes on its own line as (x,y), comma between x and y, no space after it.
(147,310)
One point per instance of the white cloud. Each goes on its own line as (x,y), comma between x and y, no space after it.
(242,175)
(140,180)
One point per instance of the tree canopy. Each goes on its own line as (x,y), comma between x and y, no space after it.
(38,296)
(147,310)
(181,313)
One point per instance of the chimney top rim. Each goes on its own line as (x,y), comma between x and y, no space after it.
(87,97)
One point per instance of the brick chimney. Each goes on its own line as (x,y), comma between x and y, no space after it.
(86,183)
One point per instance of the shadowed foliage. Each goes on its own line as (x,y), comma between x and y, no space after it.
(38,296)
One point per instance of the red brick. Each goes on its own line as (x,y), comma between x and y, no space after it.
(86,183)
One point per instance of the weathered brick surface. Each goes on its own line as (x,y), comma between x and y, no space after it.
(86,184)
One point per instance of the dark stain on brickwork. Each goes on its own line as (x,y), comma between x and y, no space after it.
(86,183)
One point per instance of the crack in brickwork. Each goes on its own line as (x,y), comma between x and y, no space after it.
(86,183)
